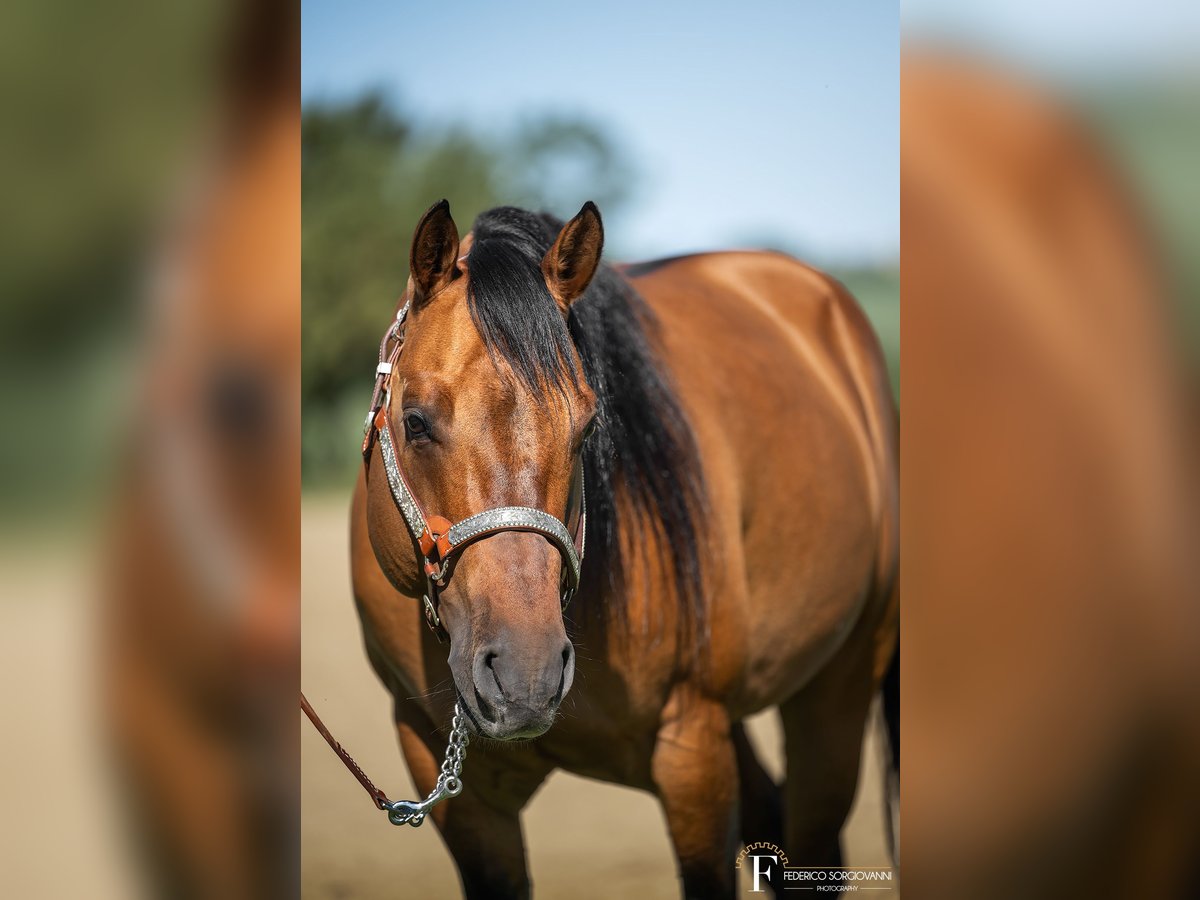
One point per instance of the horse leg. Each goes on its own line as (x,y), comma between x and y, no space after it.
(482,825)
(890,695)
(823,728)
(761,797)
(694,768)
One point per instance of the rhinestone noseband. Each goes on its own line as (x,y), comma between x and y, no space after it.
(439,541)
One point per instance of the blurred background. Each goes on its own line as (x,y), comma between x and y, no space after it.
(1050,680)
(1132,76)
(149,464)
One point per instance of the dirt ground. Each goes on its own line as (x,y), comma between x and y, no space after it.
(585,839)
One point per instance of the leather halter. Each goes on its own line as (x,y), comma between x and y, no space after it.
(438,540)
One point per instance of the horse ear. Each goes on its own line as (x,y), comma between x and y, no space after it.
(432,262)
(570,264)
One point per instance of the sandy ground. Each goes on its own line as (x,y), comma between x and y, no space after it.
(585,839)
(64,832)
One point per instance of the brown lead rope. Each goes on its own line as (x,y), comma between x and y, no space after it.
(406,812)
(380,798)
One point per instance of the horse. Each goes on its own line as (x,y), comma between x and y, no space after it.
(717,433)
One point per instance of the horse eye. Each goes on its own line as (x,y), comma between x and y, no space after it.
(415,426)
(589,431)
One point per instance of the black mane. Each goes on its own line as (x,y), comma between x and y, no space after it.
(642,460)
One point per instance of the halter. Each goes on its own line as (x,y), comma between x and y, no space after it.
(440,541)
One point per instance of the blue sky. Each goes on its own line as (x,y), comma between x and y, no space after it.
(1072,38)
(748,121)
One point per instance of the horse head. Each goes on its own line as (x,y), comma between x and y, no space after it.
(487,408)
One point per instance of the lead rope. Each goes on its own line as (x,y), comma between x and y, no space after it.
(406,812)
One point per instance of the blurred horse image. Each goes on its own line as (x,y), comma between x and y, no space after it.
(201,640)
(1052,637)
(726,422)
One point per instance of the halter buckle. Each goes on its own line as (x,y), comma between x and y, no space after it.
(430,613)
(434,620)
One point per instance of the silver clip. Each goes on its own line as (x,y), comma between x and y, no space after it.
(431,612)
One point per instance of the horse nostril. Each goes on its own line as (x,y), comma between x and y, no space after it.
(489,659)
(568,672)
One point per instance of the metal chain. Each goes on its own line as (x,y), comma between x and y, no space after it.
(449,783)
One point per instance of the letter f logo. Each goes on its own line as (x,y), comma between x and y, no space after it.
(760,871)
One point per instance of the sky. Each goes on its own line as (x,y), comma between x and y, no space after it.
(1076,38)
(749,123)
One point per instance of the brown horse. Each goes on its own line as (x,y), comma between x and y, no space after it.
(737,434)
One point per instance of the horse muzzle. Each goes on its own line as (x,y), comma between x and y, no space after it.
(515,693)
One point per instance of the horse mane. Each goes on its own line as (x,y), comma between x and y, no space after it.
(642,461)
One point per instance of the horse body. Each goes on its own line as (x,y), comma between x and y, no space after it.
(783,386)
